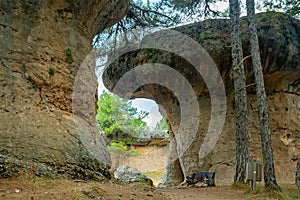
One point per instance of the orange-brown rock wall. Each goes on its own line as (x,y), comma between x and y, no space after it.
(42,47)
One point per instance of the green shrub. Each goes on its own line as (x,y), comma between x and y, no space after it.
(121,146)
(117,146)
(69,55)
(51,70)
(146,181)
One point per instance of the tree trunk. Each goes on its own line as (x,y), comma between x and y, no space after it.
(269,171)
(240,98)
(297,179)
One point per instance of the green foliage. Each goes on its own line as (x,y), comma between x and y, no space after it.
(134,152)
(155,176)
(117,146)
(51,70)
(141,16)
(118,120)
(123,147)
(69,56)
(162,125)
(239,186)
(286,193)
(225,13)
(196,8)
(146,181)
(291,7)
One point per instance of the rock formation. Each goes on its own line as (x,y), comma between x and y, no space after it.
(128,174)
(42,48)
(279,37)
(156,137)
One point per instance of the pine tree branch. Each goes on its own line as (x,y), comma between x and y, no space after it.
(252,84)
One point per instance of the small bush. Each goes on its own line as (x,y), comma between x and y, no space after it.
(51,70)
(146,181)
(121,146)
(69,55)
(117,146)
(134,153)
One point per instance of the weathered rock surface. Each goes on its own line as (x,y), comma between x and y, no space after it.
(42,48)
(160,138)
(279,37)
(10,167)
(128,174)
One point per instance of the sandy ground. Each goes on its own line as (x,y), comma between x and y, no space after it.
(29,187)
(25,187)
(40,188)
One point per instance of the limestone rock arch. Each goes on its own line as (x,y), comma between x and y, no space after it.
(279,43)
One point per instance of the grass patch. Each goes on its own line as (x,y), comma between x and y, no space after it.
(288,192)
(134,152)
(259,189)
(117,146)
(69,56)
(123,148)
(239,186)
(146,181)
(155,176)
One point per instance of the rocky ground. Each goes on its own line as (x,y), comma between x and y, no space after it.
(26,187)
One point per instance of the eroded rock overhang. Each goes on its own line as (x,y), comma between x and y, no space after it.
(279,39)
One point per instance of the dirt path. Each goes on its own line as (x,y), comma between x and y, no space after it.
(39,188)
(211,193)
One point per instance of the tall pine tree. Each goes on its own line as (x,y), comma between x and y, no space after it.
(240,95)
(269,170)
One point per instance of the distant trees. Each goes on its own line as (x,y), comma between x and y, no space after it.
(141,15)
(118,120)
(161,125)
(196,8)
(291,7)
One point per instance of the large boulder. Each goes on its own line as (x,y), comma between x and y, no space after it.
(128,174)
(45,67)
(279,39)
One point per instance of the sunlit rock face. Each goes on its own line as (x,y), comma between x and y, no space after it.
(42,48)
(279,39)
